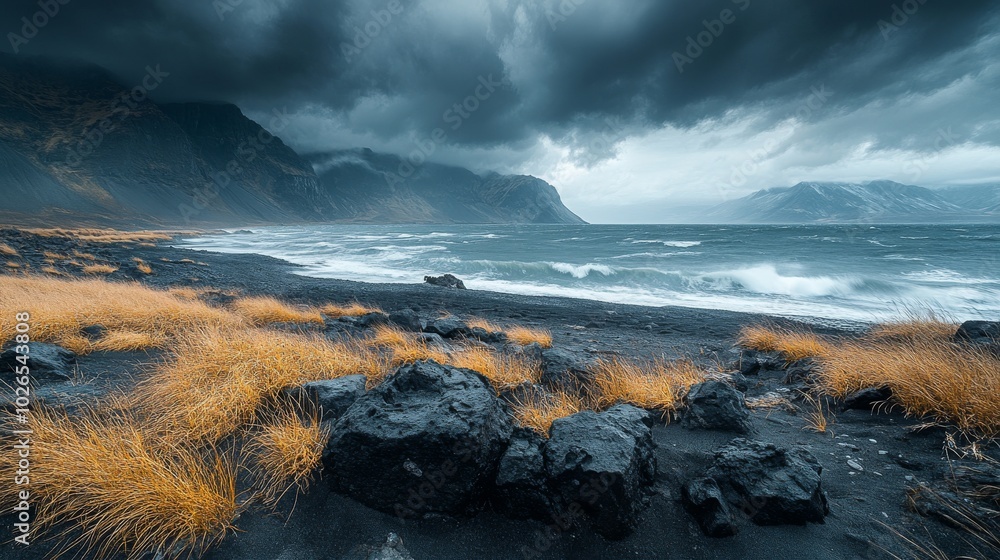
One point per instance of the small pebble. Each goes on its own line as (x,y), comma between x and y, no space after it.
(855,465)
(873,441)
(881,452)
(908,478)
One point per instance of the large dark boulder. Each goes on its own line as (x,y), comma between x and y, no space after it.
(46,362)
(979,332)
(407,319)
(599,466)
(715,405)
(333,396)
(562,369)
(426,441)
(521,486)
(770,484)
(448,327)
(445,281)
(703,499)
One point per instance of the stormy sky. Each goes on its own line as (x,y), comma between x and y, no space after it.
(636,110)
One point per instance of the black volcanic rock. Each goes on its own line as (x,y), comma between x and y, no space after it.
(704,501)
(714,405)
(427,441)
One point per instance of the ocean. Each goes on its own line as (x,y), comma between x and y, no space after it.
(820,272)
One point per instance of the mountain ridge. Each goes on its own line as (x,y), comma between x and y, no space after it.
(77,146)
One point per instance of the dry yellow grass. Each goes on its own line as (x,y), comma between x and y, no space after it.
(219,378)
(527,335)
(658,385)
(52,270)
(142,267)
(84,256)
(792,345)
(930,378)
(99,269)
(61,308)
(7,250)
(97,479)
(405,347)
(264,310)
(286,451)
(335,310)
(504,370)
(95,235)
(929,328)
(54,256)
(539,412)
(128,341)
(12,264)
(486,325)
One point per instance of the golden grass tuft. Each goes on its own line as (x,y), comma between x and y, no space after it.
(946,382)
(792,345)
(486,325)
(54,256)
(12,264)
(128,341)
(929,328)
(526,335)
(97,478)
(540,411)
(658,385)
(335,310)
(405,347)
(84,256)
(97,235)
(52,270)
(61,308)
(264,310)
(99,269)
(7,250)
(142,266)
(219,378)
(503,369)
(286,451)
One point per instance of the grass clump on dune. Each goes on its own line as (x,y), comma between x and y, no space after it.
(218,378)
(526,335)
(286,451)
(539,411)
(142,266)
(264,310)
(335,310)
(95,235)
(504,370)
(7,250)
(99,269)
(97,478)
(61,308)
(658,385)
(405,347)
(792,345)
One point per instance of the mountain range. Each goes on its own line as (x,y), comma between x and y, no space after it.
(873,201)
(77,146)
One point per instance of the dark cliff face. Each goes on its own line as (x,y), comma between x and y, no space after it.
(369,186)
(77,146)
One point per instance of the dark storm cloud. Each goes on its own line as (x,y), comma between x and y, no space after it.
(586,72)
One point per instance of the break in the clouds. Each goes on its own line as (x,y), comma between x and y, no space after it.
(634,110)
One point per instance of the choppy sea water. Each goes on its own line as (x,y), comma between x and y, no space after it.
(854,273)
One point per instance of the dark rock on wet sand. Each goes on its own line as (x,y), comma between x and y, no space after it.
(333,396)
(704,501)
(979,332)
(600,465)
(868,398)
(772,485)
(45,362)
(426,441)
(448,327)
(445,281)
(715,405)
(407,319)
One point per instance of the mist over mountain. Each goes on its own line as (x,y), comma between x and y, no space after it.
(873,201)
(75,145)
